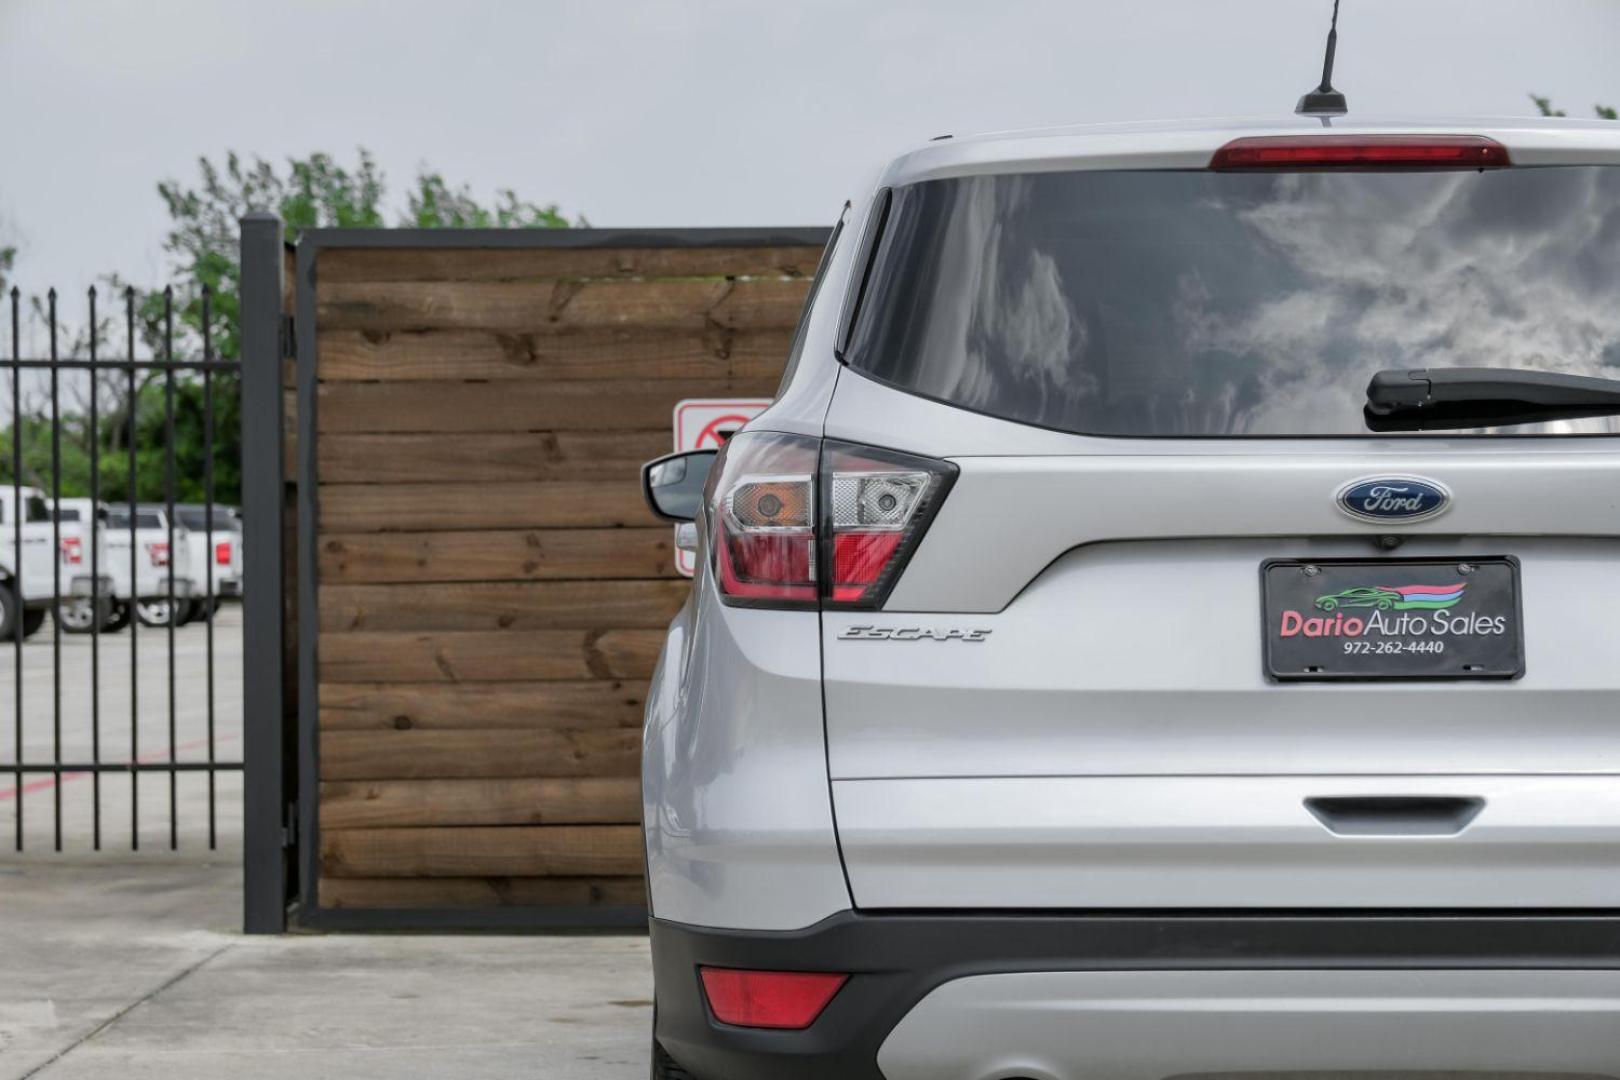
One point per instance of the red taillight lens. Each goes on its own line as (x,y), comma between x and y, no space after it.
(769,999)
(762,507)
(783,509)
(73,550)
(222,553)
(1366,151)
(879,502)
(158,553)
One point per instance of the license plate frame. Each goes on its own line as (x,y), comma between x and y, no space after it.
(1478,635)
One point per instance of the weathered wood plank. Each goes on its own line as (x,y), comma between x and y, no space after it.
(516,405)
(455,706)
(337,892)
(500,851)
(476,457)
(497,656)
(691,305)
(486,264)
(593,353)
(530,554)
(477,755)
(404,803)
(431,507)
(502,606)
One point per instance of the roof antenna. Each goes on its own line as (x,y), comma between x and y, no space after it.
(1324,100)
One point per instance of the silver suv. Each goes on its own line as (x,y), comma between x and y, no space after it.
(1165,625)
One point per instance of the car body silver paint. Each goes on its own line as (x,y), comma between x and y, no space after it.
(736,806)
(1059,734)
(1101,668)
(1153,1025)
(1231,841)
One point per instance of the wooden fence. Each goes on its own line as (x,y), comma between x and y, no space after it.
(491,593)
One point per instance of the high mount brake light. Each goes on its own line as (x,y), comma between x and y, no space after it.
(1361,151)
(798,522)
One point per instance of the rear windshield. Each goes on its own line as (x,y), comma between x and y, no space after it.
(196,518)
(119,519)
(1199,303)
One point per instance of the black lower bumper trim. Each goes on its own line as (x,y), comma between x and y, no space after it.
(897,958)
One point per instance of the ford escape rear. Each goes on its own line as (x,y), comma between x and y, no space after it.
(1164,626)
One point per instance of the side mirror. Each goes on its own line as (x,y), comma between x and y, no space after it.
(673,485)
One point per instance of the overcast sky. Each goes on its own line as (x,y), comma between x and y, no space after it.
(703,112)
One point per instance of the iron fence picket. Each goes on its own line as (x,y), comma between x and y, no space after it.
(138,373)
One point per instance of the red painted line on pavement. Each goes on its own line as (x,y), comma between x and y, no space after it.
(154,757)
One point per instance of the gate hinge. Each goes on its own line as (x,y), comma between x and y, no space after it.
(289,826)
(289,340)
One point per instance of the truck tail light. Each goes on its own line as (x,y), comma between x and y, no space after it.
(785,1000)
(72,550)
(158,553)
(222,553)
(796,522)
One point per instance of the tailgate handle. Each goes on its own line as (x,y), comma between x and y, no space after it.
(1395,815)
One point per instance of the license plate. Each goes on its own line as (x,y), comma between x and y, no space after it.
(1392,619)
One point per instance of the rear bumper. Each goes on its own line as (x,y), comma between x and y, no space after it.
(975,990)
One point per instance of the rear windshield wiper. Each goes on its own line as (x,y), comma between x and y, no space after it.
(1440,399)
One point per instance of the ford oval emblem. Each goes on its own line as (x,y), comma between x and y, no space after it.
(1397,500)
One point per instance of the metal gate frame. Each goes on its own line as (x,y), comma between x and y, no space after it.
(268,795)
(269,787)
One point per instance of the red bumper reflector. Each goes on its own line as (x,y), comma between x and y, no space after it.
(1368,151)
(769,999)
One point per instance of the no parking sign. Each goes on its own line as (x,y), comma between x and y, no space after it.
(706,423)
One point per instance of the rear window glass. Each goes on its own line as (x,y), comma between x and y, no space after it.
(66,514)
(119,519)
(196,518)
(1199,304)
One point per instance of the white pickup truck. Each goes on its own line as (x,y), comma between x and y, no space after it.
(220,549)
(86,537)
(27,570)
(152,561)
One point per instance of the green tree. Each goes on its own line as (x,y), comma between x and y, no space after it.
(1545,106)
(202,247)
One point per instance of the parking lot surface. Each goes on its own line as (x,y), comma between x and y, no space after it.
(101,722)
(131,964)
(134,968)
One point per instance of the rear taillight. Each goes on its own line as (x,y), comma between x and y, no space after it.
(795,522)
(878,502)
(72,550)
(158,553)
(222,553)
(785,1000)
(1361,151)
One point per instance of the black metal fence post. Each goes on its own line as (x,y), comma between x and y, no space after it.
(263,713)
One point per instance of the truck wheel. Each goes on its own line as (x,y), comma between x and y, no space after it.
(190,611)
(79,616)
(122,612)
(156,612)
(8,612)
(32,621)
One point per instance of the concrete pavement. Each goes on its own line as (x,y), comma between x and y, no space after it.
(132,967)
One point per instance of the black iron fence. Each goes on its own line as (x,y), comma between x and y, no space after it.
(117,529)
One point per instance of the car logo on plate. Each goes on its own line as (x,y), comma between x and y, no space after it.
(1395,500)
